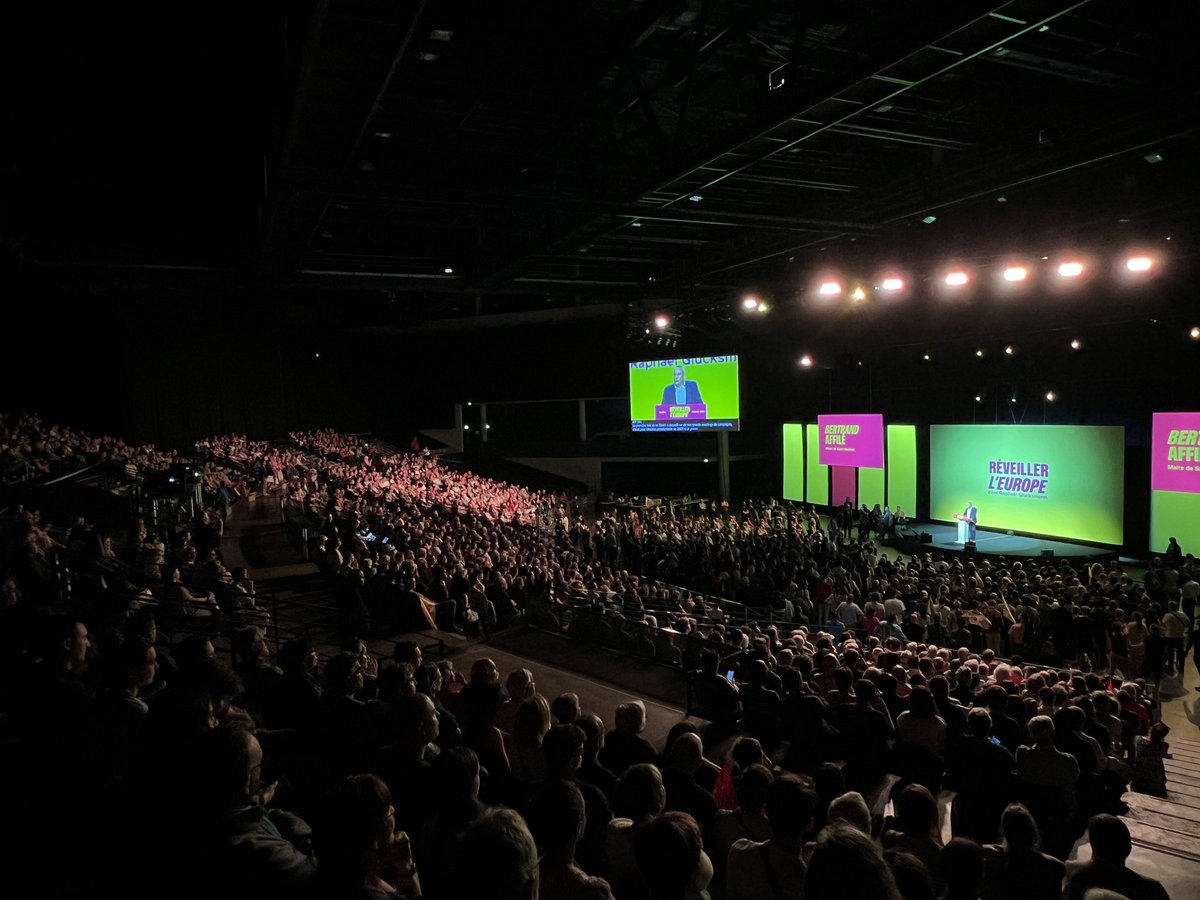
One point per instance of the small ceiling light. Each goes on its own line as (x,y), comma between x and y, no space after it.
(978,398)
(383,135)
(1194,334)
(426,56)
(750,302)
(859,294)
(1076,344)
(326,234)
(706,459)
(1016,273)
(806,361)
(830,289)
(925,357)
(317,355)
(662,320)
(1001,199)
(440,34)
(695,198)
(635,224)
(762,307)
(466,428)
(1009,350)
(1138,264)
(929,220)
(979,352)
(1153,158)
(956,278)
(487,427)
(893,284)
(448,270)
(366,166)
(647,331)
(1051,396)
(1072,269)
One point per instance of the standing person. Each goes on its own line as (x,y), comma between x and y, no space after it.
(970,515)
(1175,626)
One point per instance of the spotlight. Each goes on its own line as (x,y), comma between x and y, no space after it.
(1071,269)
(979,353)
(750,302)
(1051,396)
(1016,273)
(893,284)
(447,270)
(1076,344)
(806,361)
(829,289)
(1194,334)
(858,294)
(957,278)
(662,320)
(762,307)
(978,398)
(1139,264)
(1009,350)
(925,357)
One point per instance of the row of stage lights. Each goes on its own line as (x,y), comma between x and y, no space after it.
(1062,273)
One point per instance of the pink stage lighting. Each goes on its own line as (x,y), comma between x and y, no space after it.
(1139,264)
(957,278)
(1071,269)
(1015,273)
(830,289)
(892,284)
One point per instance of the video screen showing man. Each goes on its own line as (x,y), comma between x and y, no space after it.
(681,391)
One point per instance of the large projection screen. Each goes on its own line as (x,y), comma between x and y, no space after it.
(1175,481)
(1053,480)
(689,394)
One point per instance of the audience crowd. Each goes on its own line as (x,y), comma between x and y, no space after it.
(837,678)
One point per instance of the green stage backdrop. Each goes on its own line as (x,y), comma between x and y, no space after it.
(1054,480)
(715,376)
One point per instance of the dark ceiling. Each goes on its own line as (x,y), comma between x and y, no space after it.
(462,158)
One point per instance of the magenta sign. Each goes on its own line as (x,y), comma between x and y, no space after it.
(851,440)
(1175,453)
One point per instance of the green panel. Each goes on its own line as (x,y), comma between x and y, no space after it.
(902,468)
(1174,515)
(817,480)
(793,462)
(870,487)
(1056,480)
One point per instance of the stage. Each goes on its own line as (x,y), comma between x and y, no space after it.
(992,544)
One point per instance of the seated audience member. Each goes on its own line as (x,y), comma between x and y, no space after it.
(362,856)
(518,687)
(403,760)
(524,749)
(495,859)
(565,708)
(641,798)
(1014,867)
(917,830)
(456,785)
(591,771)
(851,809)
(563,751)
(670,856)
(683,793)
(962,869)
(980,771)
(912,878)
(748,821)
(774,867)
(1043,765)
(624,746)
(244,849)
(1111,846)
(557,818)
(845,863)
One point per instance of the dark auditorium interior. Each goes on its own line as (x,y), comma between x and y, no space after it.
(317,463)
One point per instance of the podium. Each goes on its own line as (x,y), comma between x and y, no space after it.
(964,531)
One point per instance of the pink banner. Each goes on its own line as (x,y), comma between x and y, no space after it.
(1175,453)
(851,440)
(845,485)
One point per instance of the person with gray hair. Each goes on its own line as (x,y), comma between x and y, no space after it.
(497,859)
(852,809)
(624,746)
(1111,846)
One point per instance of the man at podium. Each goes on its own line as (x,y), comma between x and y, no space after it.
(969,517)
(681,391)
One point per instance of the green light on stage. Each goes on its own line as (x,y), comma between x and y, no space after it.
(817,475)
(793,462)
